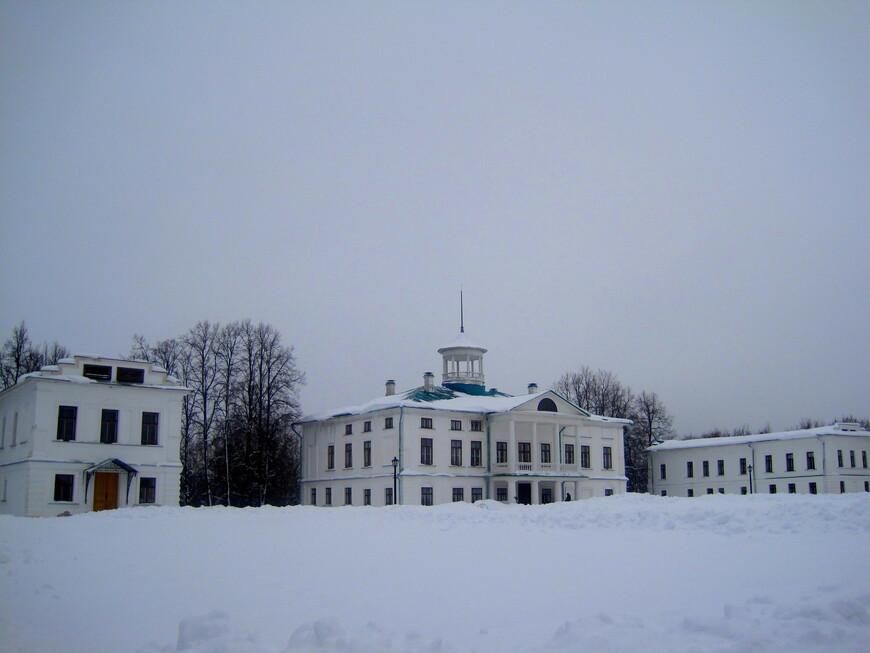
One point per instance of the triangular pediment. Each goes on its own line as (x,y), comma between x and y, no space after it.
(550,401)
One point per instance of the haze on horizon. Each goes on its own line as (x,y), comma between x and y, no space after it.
(675,192)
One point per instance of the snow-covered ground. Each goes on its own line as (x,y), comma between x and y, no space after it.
(783,573)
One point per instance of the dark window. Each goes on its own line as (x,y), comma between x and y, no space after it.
(546,495)
(348,455)
(789,462)
(743,465)
(585,456)
(426,498)
(314,496)
(608,492)
(456,425)
(130,375)
(348,429)
(664,493)
(476,425)
(709,490)
(569,454)
(545,452)
(149,428)
(720,467)
(388,422)
(367,427)
(328,500)
(721,490)
(501,452)
(768,464)
(367,497)
(705,468)
(476,494)
(63,487)
(839,457)
(97,372)
(330,457)
(501,494)
(771,488)
(456,452)
(608,458)
(811,460)
(867,486)
(742,489)
(792,488)
(425,422)
(425,451)
(476,453)
(864,459)
(852,458)
(842,487)
(388,496)
(367,453)
(663,472)
(690,469)
(109,426)
(66,423)
(458,494)
(348,496)
(547,404)
(690,492)
(147,490)
(814,488)
(524,452)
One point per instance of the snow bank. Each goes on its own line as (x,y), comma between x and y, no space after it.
(631,573)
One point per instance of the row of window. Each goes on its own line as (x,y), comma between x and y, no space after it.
(425,423)
(812,488)
(67,417)
(768,464)
(64,487)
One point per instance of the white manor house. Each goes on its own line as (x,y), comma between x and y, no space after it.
(90,433)
(459,441)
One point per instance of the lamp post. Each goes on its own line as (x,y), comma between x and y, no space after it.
(395,462)
(750,478)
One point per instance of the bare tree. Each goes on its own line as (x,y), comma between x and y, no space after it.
(598,391)
(19,356)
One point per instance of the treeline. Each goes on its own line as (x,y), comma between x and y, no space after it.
(805,423)
(601,393)
(237,442)
(20,355)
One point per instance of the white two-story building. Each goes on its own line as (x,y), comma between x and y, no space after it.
(825,460)
(90,433)
(459,441)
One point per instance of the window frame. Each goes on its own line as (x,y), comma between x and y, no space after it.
(546,453)
(348,455)
(64,484)
(427,496)
(456,425)
(811,460)
(64,423)
(585,456)
(569,453)
(476,453)
(150,430)
(720,467)
(524,452)
(476,426)
(109,427)
(690,469)
(367,453)
(426,423)
(388,423)
(426,451)
(330,456)
(458,494)
(607,458)
(456,453)
(147,491)
(501,453)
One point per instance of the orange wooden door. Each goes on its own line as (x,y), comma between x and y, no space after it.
(105,491)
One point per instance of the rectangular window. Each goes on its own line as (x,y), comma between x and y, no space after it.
(330,457)
(348,455)
(664,493)
(569,454)
(388,422)
(149,428)
(348,496)
(585,456)
(456,425)
(458,494)
(852,458)
(864,459)
(690,469)
(690,492)
(314,496)
(608,458)
(476,494)
(476,453)
(742,489)
(608,492)
(425,422)
(792,488)
(426,498)
(839,457)
(367,453)
(501,452)
(328,500)
(348,429)
(109,426)
(705,468)
(814,488)
(842,487)
(130,375)
(367,497)
(501,494)
(866,488)
(789,462)
(663,472)
(476,425)
(546,495)
(720,467)
(66,423)
(367,427)
(743,465)
(771,488)
(63,487)
(97,372)
(709,490)
(811,459)
(768,464)
(545,452)
(456,452)
(721,490)
(388,496)
(147,489)
(425,451)
(524,452)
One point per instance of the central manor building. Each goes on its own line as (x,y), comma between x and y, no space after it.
(459,441)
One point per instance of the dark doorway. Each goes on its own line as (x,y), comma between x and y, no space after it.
(546,495)
(524,493)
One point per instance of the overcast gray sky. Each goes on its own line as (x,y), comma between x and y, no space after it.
(676,192)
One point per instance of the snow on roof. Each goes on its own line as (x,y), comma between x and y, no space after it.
(840,428)
(462,340)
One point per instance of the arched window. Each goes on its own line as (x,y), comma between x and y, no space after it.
(547,404)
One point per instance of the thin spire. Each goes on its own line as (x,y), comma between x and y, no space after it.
(461,312)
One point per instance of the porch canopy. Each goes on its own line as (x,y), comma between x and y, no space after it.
(111,466)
